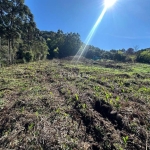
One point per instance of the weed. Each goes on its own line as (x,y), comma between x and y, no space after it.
(51,93)
(117,105)
(125,140)
(117,98)
(133,127)
(118,146)
(111,102)
(122,90)
(84,106)
(37,114)
(2,94)
(100,131)
(22,109)
(107,96)
(30,127)
(77,97)
(97,88)
(57,110)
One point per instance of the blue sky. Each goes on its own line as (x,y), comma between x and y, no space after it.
(126,24)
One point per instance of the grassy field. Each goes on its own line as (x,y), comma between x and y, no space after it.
(58,104)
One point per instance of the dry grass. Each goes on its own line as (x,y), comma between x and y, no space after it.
(62,105)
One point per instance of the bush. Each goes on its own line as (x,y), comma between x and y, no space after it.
(144,56)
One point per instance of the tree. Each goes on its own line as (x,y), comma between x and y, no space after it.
(30,32)
(56,52)
(130,51)
(14,15)
(70,46)
(143,56)
(39,49)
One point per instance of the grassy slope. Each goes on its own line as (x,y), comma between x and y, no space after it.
(59,105)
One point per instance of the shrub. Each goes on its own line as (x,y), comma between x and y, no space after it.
(144,56)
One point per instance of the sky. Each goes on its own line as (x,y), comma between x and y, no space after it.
(126,24)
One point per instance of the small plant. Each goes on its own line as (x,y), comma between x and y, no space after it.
(121,83)
(117,98)
(22,89)
(111,102)
(1,94)
(96,88)
(134,127)
(30,127)
(1,102)
(77,97)
(37,114)
(118,146)
(122,90)
(84,106)
(117,105)
(58,110)
(51,93)
(125,140)
(100,131)
(107,95)
(65,114)
(22,109)
(69,92)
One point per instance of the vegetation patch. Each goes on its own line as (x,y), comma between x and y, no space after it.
(44,105)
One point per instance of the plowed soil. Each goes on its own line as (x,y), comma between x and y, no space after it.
(63,105)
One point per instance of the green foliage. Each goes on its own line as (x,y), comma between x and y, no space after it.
(77,97)
(56,52)
(14,15)
(60,44)
(30,127)
(20,39)
(144,56)
(125,139)
(84,106)
(28,56)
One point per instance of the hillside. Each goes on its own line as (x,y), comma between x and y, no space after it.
(58,104)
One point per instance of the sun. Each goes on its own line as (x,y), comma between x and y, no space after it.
(109,3)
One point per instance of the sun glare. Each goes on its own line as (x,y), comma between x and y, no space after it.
(81,51)
(109,3)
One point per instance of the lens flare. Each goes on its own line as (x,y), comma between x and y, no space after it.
(83,47)
(109,3)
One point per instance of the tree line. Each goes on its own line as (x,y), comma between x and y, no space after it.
(68,44)
(21,41)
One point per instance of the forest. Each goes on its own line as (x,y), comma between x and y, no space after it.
(21,41)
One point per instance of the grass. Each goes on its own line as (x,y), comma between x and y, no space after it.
(60,105)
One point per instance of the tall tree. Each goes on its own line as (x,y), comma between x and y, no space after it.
(13,16)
